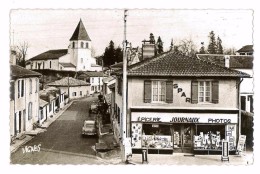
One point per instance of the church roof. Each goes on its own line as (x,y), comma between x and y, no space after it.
(51,54)
(80,33)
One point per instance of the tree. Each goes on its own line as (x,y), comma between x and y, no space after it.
(21,53)
(109,55)
(230,51)
(219,46)
(112,55)
(159,45)
(119,54)
(187,47)
(212,47)
(202,49)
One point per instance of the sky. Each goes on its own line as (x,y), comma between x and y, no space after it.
(51,29)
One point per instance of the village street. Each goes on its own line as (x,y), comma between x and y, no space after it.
(62,143)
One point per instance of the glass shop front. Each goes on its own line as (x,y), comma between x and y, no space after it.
(182,132)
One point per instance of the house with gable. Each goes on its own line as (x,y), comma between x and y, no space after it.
(76,58)
(95,79)
(24,100)
(71,88)
(179,104)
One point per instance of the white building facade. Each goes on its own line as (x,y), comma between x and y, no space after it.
(24,104)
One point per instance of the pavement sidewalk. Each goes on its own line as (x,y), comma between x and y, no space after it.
(182,159)
(30,134)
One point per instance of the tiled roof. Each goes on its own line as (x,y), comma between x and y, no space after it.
(173,64)
(108,79)
(117,65)
(51,54)
(80,33)
(71,82)
(20,72)
(93,74)
(246,48)
(235,62)
(67,65)
(42,103)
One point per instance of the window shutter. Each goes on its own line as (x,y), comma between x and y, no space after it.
(22,93)
(147,91)
(194,92)
(215,92)
(12,92)
(169,91)
(18,88)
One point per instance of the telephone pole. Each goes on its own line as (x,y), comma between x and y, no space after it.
(124,92)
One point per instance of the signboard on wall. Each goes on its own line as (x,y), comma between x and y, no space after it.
(241,143)
(184,117)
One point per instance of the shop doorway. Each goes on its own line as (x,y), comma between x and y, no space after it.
(182,138)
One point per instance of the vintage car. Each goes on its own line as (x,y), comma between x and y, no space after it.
(89,127)
(93,107)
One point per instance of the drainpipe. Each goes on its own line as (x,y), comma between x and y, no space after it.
(239,107)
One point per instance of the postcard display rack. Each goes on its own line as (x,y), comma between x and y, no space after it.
(213,140)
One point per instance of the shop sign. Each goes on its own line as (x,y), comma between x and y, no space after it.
(211,118)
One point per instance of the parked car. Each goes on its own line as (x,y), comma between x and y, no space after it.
(93,107)
(89,127)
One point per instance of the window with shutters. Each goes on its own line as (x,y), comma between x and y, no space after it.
(158,91)
(20,88)
(204,91)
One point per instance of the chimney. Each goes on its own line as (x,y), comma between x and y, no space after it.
(227,61)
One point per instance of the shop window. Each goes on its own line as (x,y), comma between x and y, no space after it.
(204,91)
(209,137)
(158,91)
(157,136)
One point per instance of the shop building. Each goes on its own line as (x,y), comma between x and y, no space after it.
(179,104)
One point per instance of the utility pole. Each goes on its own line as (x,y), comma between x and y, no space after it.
(68,88)
(124,92)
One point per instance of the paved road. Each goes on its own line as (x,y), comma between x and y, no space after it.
(62,143)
